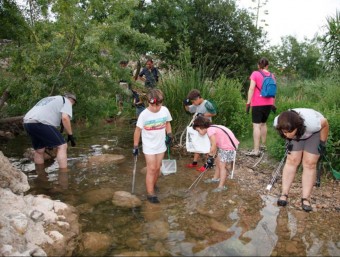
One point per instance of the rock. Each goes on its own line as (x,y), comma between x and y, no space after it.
(95,244)
(33,225)
(218,226)
(95,197)
(157,229)
(105,159)
(12,178)
(126,200)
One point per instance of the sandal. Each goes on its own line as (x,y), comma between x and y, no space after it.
(305,207)
(281,202)
(252,153)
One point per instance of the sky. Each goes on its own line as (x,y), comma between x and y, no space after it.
(298,18)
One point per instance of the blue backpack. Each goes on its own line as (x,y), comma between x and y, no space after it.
(269,87)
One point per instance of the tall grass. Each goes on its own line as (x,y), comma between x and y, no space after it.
(224,93)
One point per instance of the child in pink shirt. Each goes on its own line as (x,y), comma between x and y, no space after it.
(223,146)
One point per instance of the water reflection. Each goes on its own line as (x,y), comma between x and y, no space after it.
(198,223)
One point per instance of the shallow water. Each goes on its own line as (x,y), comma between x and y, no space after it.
(194,223)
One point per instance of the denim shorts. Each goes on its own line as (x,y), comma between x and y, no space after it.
(44,135)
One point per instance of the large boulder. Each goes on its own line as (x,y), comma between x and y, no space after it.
(12,178)
(105,159)
(126,200)
(33,225)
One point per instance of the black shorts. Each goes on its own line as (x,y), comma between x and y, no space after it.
(260,114)
(44,135)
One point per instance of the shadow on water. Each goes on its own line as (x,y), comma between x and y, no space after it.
(194,223)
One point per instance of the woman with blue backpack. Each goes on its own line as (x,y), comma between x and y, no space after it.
(261,99)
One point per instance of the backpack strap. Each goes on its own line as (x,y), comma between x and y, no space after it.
(227,135)
(264,76)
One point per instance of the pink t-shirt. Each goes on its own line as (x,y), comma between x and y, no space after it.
(222,140)
(258,100)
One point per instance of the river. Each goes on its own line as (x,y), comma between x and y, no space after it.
(186,223)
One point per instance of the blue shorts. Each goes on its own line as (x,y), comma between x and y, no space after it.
(44,135)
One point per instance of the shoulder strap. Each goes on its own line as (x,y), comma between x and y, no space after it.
(63,99)
(264,76)
(227,135)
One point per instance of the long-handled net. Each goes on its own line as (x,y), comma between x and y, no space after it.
(278,169)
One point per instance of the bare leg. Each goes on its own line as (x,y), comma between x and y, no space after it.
(256,136)
(309,173)
(196,156)
(217,173)
(263,133)
(62,156)
(289,171)
(223,171)
(39,156)
(153,166)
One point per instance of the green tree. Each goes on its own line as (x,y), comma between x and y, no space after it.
(294,59)
(331,42)
(213,30)
(13,24)
(76,47)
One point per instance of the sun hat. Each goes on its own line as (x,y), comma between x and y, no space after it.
(70,95)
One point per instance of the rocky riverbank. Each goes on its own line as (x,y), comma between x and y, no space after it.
(33,225)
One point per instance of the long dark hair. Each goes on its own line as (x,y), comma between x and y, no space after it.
(290,120)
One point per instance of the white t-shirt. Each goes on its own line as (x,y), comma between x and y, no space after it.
(312,121)
(48,110)
(153,126)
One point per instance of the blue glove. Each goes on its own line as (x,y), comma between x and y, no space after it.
(71,138)
(186,102)
(210,162)
(168,139)
(322,148)
(135,151)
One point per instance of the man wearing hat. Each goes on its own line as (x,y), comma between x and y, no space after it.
(41,124)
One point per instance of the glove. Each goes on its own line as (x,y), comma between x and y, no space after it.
(61,127)
(187,102)
(210,162)
(322,148)
(71,138)
(168,139)
(135,151)
(273,109)
(289,147)
(247,108)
